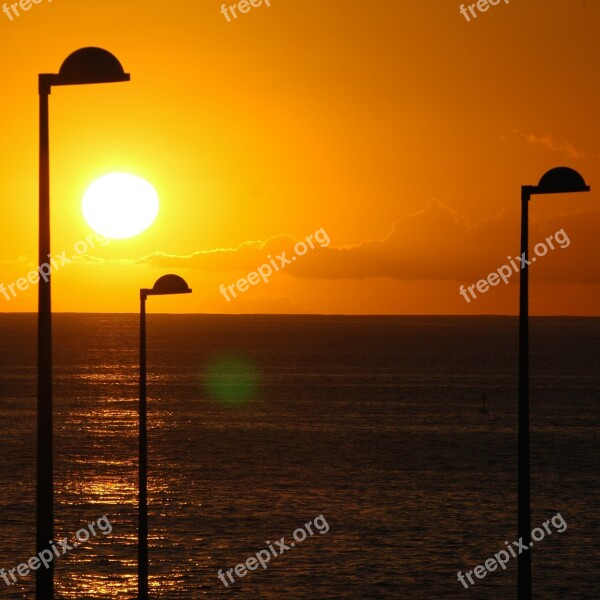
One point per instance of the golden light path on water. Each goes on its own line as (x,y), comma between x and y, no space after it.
(106,484)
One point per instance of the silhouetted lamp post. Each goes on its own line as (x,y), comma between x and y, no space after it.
(166,285)
(560,180)
(87,65)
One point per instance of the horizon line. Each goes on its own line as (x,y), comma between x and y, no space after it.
(411,315)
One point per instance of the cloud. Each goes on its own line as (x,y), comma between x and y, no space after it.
(244,256)
(547,141)
(432,244)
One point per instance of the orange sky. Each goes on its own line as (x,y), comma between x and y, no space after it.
(396,126)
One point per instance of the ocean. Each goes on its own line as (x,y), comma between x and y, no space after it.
(401,432)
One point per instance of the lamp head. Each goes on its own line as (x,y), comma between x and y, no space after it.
(561,180)
(90,65)
(167,285)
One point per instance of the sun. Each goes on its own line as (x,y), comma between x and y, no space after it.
(120,205)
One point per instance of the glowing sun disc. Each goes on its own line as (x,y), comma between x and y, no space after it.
(120,205)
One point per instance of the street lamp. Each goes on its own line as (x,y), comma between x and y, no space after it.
(166,285)
(560,180)
(87,65)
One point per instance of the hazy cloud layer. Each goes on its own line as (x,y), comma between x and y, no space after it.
(433,244)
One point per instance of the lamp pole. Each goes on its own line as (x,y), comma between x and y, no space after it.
(45,466)
(524,482)
(166,285)
(559,180)
(143,462)
(87,65)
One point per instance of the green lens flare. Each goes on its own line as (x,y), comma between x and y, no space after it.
(231,380)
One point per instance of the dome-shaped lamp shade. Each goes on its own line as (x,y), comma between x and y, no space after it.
(169,284)
(90,65)
(561,180)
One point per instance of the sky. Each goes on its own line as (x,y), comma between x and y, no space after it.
(396,132)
